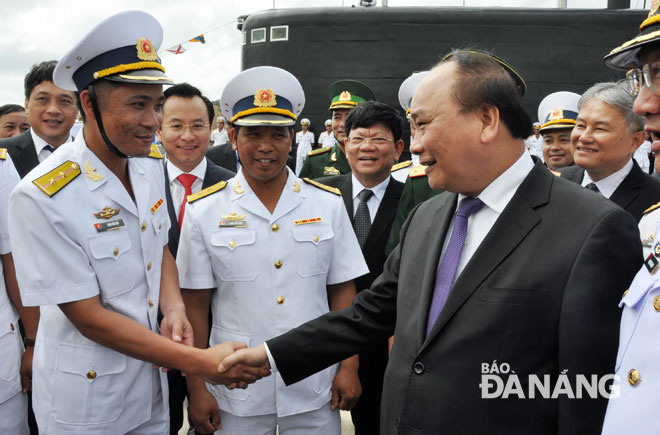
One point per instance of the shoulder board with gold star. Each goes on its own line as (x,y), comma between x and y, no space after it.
(323,186)
(3,153)
(417,171)
(53,181)
(653,207)
(155,152)
(208,191)
(555,173)
(318,151)
(401,165)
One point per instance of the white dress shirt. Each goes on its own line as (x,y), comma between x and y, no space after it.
(372,203)
(176,188)
(40,145)
(608,185)
(495,197)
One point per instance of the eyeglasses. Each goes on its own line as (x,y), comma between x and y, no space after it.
(358,140)
(648,75)
(196,127)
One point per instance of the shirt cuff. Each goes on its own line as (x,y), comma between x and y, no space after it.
(271,360)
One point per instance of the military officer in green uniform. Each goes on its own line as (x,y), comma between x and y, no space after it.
(343,95)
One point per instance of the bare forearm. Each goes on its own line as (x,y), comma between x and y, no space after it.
(170,294)
(197,304)
(29,315)
(341,295)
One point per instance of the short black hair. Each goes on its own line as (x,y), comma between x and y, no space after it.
(186,90)
(482,79)
(11,108)
(370,113)
(40,72)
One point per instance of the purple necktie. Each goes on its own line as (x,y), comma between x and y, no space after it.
(449,262)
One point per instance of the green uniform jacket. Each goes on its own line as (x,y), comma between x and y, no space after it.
(415,190)
(317,161)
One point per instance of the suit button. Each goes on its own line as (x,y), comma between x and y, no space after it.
(633,377)
(316,239)
(91,374)
(656,303)
(232,244)
(151,303)
(418,368)
(275,228)
(144,226)
(278,264)
(149,265)
(115,252)
(11,326)
(280,300)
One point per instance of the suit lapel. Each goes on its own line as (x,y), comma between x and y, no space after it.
(516,221)
(27,157)
(628,190)
(384,215)
(345,185)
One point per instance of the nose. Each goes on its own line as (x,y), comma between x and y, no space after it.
(187,133)
(416,144)
(647,102)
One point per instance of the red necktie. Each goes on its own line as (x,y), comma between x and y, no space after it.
(186,181)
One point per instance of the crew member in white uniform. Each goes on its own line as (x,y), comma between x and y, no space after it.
(267,252)
(304,141)
(13,402)
(219,135)
(89,238)
(327,138)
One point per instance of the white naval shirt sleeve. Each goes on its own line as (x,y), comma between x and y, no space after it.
(193,260)
(8,180)
(52,268)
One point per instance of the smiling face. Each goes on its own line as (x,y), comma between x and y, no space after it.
(600,140)
(185,132)
(371,160)
(51,112)
(338,119)
(557,148)
(263,152)
(647,103)
(446,140)
(13,124)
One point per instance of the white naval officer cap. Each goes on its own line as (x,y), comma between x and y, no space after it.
(263,96)
(122,48)
(304,121)
(328,122)
(407,89)
(558,110)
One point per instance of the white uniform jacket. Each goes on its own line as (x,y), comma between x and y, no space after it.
(271,273)
(304,142)
(64,253)
(638,359)
(11,347)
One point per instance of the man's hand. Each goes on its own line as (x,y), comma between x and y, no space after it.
(175,325)
(238,374)
(26,369)
(255,357)
(203,411)
(346,388)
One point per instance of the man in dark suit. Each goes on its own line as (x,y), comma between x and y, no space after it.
(603,141)
(373,144)
(51,112)
(185,133)
(527,272)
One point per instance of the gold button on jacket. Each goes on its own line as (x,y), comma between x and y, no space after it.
(280,300)
(91,374)
(275,228)
(656,303)
(633,377)
(278,264)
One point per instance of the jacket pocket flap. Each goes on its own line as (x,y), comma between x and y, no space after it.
(312,233)
(89,361)
(109,245)
(233,238)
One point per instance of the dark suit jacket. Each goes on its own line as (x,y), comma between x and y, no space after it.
(374,247)
(214,174)
(22,152)
(540,294)
(637,192)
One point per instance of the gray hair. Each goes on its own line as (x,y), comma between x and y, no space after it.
(617,95)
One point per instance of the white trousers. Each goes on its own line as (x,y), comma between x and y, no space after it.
(13,415)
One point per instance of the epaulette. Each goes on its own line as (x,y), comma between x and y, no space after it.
(555,173)
(206,192)
(3,153)
(401,165)
(53,181)
(155,152)
(318,151)
(653,207)
(417,171)
(322,186)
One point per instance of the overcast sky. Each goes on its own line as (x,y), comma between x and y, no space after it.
(37,30)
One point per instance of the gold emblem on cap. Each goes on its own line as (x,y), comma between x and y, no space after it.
(345,96)
(264,98)
(233,216)
(145,49)
(557,113)
(106,213)
(91,172)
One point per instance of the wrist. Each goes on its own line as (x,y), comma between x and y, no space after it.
(28,342)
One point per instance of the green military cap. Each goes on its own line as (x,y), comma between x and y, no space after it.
(346,94)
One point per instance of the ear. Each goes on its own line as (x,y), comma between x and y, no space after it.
(638,139)
(232,138)
(27,100)
(398,149)
(86,104)
(158,135)
(489,116)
